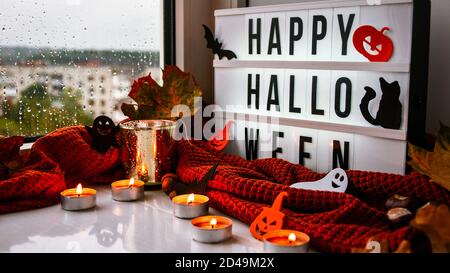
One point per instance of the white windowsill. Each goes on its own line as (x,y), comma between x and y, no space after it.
(143,226)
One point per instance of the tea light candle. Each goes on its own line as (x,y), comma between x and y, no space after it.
(78,199)
(189,206)
(212,229)
(142,172)
(127,190)
(286,241)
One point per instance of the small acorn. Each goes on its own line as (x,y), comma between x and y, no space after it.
(398,201)
(399,216)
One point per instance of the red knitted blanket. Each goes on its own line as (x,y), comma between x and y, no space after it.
(336,222)
(56,161)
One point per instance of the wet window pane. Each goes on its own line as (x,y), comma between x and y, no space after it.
(64,62)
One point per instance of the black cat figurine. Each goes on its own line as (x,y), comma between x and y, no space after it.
(389,113)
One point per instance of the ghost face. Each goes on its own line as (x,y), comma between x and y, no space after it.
(335,181)
(104,126)
(338,181)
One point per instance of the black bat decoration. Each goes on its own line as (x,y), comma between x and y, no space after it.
(103,134)
(197,187)
(216,47)
(172,185)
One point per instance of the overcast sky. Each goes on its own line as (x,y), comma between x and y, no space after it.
(81,24)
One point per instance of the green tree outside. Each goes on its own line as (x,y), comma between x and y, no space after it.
(37,112)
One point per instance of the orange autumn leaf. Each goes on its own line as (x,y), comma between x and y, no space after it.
(404,247)
(436,164)
(434,221)
(155,101)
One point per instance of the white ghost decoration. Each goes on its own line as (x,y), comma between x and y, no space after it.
(336,181)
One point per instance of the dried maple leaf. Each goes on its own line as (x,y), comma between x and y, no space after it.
(436,164)
(434,221)
(155,101)
(404,247)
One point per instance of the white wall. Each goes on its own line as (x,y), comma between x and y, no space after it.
(439,69)
(191,52)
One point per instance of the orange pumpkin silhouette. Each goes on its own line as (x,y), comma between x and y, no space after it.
(219,140)
(269,219)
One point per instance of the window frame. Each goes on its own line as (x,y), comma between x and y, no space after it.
(169,40)
(168,45)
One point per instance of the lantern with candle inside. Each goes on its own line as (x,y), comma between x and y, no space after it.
(188,206)
(286,241)
(212,229)
(127,190)
(78,199)
(148,150)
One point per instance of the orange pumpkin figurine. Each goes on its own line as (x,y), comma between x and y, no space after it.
(269,219)
(219,140)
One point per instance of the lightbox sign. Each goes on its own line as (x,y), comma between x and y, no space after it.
(334,74)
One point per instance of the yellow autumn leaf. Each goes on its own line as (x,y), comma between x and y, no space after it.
(434,221)
(436,164)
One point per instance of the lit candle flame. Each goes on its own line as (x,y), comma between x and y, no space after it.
(292,238)
(213,222)
(131,183)
(138,156)
(79,189)
(143,169)
(191,198)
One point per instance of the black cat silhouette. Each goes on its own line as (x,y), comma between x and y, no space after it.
(389,113)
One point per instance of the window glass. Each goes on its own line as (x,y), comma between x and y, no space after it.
(64,62)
